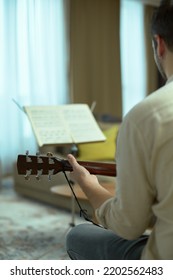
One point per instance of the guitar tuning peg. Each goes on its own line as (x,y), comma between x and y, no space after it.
(39,173)
(50,158)
(50,173)
(28,173)
(49,154)
(28,159)
(38,178)
(39,159)
(27,177)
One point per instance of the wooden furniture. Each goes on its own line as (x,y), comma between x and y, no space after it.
(65,192)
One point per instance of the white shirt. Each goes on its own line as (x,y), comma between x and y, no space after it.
(144,187)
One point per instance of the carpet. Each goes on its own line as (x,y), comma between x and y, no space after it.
(30,230)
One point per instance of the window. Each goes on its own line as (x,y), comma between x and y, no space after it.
(33,68)
(132,53)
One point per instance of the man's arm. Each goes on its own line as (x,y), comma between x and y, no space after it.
(96,194)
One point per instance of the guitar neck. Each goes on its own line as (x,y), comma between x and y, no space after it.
(96,168)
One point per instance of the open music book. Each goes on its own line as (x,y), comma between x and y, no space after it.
(64,124)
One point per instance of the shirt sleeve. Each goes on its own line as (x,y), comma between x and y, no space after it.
(129,213)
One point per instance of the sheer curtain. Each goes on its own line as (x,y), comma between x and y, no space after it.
(33,68)
(133,60)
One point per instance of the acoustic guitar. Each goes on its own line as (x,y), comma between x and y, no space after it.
(49,165)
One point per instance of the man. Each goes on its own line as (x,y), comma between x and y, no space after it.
(144,187)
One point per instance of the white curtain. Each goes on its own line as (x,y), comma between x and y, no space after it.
(33,68)
(132,53)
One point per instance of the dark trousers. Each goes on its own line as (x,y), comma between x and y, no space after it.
(90,242)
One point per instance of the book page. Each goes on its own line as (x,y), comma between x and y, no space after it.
(64,124)
(48,125)
(82,124)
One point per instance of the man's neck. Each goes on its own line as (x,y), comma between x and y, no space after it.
(170,79)
(169,65)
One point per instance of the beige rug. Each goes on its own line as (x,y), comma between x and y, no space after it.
(30,230)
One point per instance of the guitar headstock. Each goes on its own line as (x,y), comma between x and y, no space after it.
(40,165)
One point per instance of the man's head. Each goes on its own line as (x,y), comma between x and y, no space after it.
(162,34)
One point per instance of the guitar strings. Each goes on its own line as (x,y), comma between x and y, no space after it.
(83,212)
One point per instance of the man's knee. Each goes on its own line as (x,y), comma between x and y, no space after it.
(73,235)
(74,241)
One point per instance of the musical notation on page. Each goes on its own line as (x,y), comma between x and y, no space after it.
(64,124)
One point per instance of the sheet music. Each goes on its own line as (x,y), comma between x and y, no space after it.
(63,124)
(82,124)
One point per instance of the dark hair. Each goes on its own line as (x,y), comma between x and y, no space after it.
(162,22)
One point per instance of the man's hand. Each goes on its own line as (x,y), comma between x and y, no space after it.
(80,174)
(89,183)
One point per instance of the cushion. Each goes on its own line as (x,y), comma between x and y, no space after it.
(101,150)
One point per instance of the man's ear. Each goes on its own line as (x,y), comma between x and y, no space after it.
(160,46)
